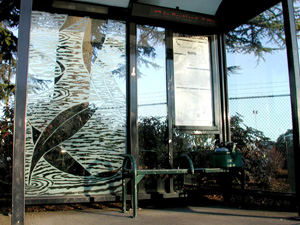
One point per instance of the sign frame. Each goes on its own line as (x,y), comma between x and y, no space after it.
(215,126)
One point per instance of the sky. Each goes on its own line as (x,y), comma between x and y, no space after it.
(272,115)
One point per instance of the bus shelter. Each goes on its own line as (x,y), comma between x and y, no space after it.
(80,103)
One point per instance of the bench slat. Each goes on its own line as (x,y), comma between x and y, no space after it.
(211,170)
(162,171)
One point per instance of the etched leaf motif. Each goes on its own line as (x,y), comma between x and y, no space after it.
(61,128)
(63,161)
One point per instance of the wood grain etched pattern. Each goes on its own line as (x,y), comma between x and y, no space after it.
(76,109)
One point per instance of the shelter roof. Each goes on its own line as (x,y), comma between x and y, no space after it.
(226,14)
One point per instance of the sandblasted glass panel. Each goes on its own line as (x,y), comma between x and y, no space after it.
(75,126)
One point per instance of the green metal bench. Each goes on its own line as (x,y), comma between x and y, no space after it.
(136,175)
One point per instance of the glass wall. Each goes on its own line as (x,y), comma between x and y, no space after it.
(152,97)
(76,108)
(259,99)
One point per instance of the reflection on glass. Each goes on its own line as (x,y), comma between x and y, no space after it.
(75,134)
(259,99)
(152,97)
(197,147)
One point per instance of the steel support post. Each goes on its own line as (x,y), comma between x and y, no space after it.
(293,65)
(132,111)
(224,89)
(18,182)
(170,97)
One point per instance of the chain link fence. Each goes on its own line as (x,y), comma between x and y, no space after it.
(152,110)
(270,114)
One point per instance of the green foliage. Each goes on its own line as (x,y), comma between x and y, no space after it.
(153,142)
(7,87)
(8,44)
(261,159)
(9,18)
(281,141)
(244,135)
(6,142)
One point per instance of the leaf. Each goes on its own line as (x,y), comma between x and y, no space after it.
(62,70)
(65,162)
(64,126)
(35,134)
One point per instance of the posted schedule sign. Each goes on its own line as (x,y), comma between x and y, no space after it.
(192,81)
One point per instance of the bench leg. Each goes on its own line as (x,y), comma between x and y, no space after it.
(124,194)
(243,186)
(134,196)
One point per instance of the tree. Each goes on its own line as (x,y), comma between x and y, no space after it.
(262,34)
(149,37)
(9,18)
(244,135)
(6,146)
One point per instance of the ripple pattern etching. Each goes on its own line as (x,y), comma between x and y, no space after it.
(76,106)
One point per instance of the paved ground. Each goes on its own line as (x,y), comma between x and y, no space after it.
(188,215)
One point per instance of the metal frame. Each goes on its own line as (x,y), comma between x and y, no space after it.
(224,92)
(18,182)
(294,74)
(132,111)
(170,96)
(232,13)
(70,199)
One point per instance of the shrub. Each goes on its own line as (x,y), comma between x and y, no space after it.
(261,159)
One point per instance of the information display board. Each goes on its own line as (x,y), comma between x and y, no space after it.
(173,15)
(192,81)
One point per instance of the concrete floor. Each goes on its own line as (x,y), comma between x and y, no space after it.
(188,215)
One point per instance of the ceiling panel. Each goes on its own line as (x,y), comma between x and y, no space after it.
(227,14)
(208,7)
(116,3)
